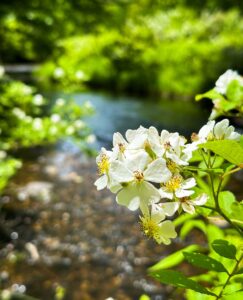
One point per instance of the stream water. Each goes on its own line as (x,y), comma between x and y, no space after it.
(61,235)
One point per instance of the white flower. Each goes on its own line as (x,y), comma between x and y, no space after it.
(177,187)
(60,102)
(136,173)
(37,124)
(80,75)
(185,203)
(19,113)
(55,118)
(120,145)
(140,138)
(212,131)
(3,154)
(103,161)
(91,138)
(222,131)
(58,73)
(153,226)
(38,100)
(2,71)
(224,80)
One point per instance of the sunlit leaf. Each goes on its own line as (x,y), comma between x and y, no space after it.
(223,248)
(228,149)
(204,261)
(173,259)
(177,279)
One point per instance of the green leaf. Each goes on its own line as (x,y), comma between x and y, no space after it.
(229,150)
(204,261)
(239,272)
(173,259)
(212,94)
(177,279)
(235,296)
(144,297)
(234,92)
(188,226)
(226,199)
(224,248)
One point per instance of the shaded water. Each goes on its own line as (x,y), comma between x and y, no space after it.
(59,231)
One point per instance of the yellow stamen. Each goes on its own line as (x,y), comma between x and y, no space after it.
(173,184)
(103,164)
(150,227)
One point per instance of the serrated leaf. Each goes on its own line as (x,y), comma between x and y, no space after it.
(229,150)
(224,248)
(178,279)
(204,261)
(173,259)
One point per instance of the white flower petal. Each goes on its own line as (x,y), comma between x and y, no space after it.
(165,194)
(167,229)
(187,207)
(120,173)
(188,183)
(200,200)
(101,182)
(138,161)
(170,208)
(128,197)
(157,171)
(180,193)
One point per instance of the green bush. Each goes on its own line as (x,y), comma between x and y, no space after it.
(27,120)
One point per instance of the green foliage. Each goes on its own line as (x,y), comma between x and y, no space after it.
(174,259)
(28,120)
(229,150)
(149,54)
(230,104)
(224,249)
(179,280)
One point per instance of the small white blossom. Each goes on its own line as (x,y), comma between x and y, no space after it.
(154,226)
(185,203)
(38,100)
(19,113)
(60,102)
(55,118)
(224,80)
(136,172)
(103,161)
(2,71)
(177,187)
(58,73)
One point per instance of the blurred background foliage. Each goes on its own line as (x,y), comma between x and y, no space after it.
(155,47)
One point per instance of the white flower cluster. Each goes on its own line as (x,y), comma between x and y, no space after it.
(145,170)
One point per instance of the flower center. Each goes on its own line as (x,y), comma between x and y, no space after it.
(173,184)
(138,175)
(121,147)
(103,164)
(150,227)
(167,145)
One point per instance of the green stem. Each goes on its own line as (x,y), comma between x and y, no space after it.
(229,277)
